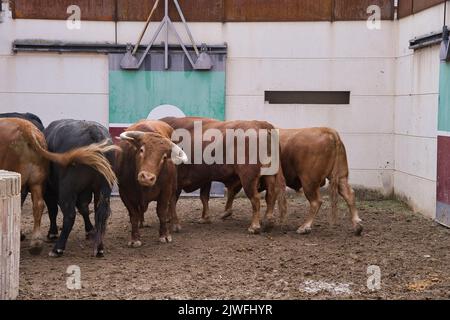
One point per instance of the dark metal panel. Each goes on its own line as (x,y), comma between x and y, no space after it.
(278,10)
(405,8)
(101,10)
(62,47)
(307,97)
(193,10)
(419,5)
(427,40)
(345,10)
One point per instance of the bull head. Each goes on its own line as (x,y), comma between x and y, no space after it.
(153,151)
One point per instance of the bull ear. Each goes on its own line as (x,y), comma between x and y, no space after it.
(132,136)
(178,155)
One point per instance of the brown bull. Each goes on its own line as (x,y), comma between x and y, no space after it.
(200,174)
(146,172)
(24,150)
(310,156)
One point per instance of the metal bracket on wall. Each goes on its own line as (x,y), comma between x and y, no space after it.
(426,40)
(445,51)
(1,11)
(203,62)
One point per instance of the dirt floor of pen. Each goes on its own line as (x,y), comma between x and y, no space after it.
(221,261)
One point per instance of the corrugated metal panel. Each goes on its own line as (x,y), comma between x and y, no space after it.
(405,8)
(194,11)
(419,5)
(102,10)
(357,9)
(278,10)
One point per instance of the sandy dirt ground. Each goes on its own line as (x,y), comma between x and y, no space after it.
(222,261)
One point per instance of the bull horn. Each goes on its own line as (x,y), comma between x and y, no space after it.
(131,135)
(178,155)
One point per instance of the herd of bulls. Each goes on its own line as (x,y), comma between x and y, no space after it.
(71,162)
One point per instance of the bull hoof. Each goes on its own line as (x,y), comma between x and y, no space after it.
(134,244)
(227,214)
(35,250)
(254,230)
(268,225)
(176,227)
(90,235)
(358,230)
(52,237)
(99,254)
(205,220)
(304,230)
(166,239)
(56,253)
(36,247)
(144,225)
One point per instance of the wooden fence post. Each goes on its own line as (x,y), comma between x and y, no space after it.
(10,211)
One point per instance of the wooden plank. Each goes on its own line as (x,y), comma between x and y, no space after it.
(350,10)
(278,10)
(97,10)
(9,234)
(194,11)
(405,8)
(218,10)
(420,5)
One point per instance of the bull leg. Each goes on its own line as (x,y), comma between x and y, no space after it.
(23,197)
(51,200)
(83,207)
(271,197)
(162,209)
(312,193)
(251,191)
(282,206)
(133,213)
(67,201)
(23,194)
(38,208)
(135,241)
(142,210)
(349,196)
(174,221)
(142,223)
(102,213)
(204,197)
(232,191)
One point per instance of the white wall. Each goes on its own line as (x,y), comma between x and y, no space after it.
(416,111)
(51,85)
(389,127)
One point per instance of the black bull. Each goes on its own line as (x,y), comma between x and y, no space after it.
(74,186)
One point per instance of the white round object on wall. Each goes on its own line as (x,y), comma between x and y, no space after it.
(165,110)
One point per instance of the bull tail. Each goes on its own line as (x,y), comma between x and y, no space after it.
(281,199)
(335,176)
(91,155)
(102,214)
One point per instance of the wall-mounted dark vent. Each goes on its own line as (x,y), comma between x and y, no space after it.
(307,97)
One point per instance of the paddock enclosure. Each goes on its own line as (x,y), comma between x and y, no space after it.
(377,71)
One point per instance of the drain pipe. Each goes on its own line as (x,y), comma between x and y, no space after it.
(445,52)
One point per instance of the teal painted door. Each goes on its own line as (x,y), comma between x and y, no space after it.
(154,93)
(134,95)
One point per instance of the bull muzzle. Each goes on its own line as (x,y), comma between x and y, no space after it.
(146,179)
